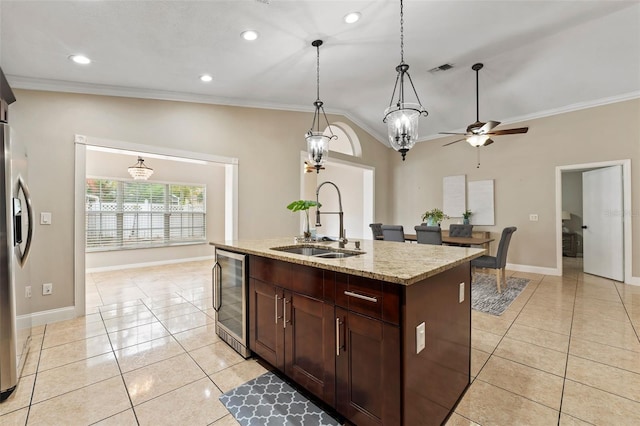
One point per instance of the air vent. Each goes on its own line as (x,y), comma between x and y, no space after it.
(443,67)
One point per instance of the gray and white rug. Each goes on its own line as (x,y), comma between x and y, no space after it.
(485,296)
(268,400)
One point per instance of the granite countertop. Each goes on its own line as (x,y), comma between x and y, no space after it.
(400,263)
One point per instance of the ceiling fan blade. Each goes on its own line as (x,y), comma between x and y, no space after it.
(451,143)
(487,127)
(510,131)
(450,133)
(487,142)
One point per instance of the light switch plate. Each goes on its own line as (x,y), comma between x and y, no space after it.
(461,293)
(420,337)
(533,217)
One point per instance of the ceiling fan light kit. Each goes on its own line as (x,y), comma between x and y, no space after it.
(402,118)
(317,141)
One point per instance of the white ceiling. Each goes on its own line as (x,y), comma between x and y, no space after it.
(541,57)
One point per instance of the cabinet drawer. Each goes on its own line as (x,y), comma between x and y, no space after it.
(270,270)
(376,299)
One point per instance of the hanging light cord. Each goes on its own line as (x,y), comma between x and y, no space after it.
(401,33)
(318,71)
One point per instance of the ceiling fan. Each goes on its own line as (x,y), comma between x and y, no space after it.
(479,134)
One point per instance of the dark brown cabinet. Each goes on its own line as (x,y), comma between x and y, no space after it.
(291,330)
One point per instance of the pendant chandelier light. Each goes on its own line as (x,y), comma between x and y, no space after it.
(317,141)
(402,118)
(140,171)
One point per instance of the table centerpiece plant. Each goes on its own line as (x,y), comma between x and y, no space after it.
(304,205)
(466,215)
(433,217)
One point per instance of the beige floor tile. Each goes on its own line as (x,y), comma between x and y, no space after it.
(31,363)
(74,351)
(129,321)
(483,340)
(554,323)
(457,420)
(489,405)
(125,418)
(612,333)
(161,377)
(227,420)
(53,337)
(567,420)
(175,311)
(54,382)
(204,303)
(478,360)
(73,323)
(604,377)
(125,311)
(187,322)
(119,305)
(216,357)
(197,337)
(548,339)
(490,323)
(83,406)
(535,356)
(20,397)
(598,407)
(14,418)
(136,335)
(163,301)
(531,383)
(605,354)
(238,374)
(37,330)
(196,403)
(143,354)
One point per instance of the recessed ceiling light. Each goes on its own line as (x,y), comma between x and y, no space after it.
(206,78)
(80,59)
(249,35)
(352,17)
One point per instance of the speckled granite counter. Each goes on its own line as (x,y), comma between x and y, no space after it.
(400,263)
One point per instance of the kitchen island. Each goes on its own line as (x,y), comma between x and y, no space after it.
(383,336)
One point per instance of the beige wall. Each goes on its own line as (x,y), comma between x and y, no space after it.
(266,142)
(523,167)
(112,165)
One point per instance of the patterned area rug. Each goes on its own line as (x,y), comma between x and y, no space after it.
(485,296)
(269,401)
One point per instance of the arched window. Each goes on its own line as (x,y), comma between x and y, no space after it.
(347,141)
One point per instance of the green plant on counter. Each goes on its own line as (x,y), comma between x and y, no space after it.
(467,214)
(434,217)
(304,205)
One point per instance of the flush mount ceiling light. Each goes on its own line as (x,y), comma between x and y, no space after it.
(351,18)
(80,59)
(317,141)
(140,171)
(249,35)
(206,78)
(402,118)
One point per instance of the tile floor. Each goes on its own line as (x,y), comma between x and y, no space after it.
(565,352)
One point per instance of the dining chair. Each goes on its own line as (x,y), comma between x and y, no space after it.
(393,233)
(376,230)
(499,261)
(428,234)
(457,230)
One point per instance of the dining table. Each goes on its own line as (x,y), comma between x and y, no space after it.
(458,241)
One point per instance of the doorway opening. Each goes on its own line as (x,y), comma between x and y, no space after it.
(103,158)
(569,207)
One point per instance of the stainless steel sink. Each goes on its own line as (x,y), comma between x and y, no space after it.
(320,252)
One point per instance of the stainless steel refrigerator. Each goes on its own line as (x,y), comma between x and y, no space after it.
(16,232)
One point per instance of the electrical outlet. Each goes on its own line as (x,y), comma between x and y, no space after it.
(47,289)
(27,292)
(461,293)
(420,338)
(533,217)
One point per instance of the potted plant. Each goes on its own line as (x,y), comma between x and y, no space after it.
(304,205)
(465,216)
(434,217)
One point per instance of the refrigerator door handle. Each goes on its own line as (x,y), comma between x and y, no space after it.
(217,287)
(24,254)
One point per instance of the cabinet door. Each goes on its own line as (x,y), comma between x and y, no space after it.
(367,370)
(310,344)
(266,327)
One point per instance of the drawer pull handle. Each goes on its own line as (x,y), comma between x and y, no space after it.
(338,322)
(276,309)
(362,296)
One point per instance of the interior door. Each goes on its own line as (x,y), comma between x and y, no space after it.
(602,211)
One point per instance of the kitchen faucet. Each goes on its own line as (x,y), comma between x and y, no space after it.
(341,239)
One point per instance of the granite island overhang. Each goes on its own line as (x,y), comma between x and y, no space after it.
(382,337)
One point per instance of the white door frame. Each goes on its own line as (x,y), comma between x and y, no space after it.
(81,142)
(626,194)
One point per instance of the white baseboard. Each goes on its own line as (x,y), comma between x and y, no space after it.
(147,264)
(46,317)
(533,269)
(633,281)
